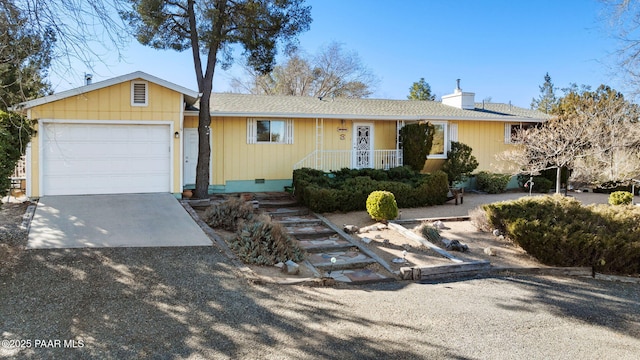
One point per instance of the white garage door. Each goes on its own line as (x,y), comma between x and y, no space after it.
(105,159)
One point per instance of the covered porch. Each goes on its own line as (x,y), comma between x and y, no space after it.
(373,145)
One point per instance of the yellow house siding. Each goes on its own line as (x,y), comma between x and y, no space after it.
(432,165)
(112,104)
(385,135)
(335,138)
(234,159)
(486,138)
(191,122)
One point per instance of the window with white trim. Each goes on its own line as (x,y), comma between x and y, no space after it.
(269,131)
(440,143)
(139,93)
(511,130)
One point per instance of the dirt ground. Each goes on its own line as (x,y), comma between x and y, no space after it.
(507,254)
(13,239)
(504,253)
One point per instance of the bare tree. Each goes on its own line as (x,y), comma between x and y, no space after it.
(333,71)
(597,135)
(25,56)
(556,144)
(84,30)
(614,134)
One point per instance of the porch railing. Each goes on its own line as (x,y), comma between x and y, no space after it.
(20,171)
(328,160)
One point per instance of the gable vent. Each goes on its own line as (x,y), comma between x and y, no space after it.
(139,95)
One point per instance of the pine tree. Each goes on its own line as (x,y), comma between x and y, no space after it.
(420,90)
(547,98)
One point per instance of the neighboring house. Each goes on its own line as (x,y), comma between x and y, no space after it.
(138,133)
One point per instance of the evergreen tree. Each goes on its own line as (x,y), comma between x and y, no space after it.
(420,90)
(547,99)
(417,140)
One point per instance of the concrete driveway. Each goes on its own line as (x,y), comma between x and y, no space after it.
(127,220)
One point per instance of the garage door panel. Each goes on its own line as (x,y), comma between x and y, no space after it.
(105,159)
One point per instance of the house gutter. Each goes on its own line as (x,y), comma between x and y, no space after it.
(366,117)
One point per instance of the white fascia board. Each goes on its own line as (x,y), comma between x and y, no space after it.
(306,116)
(364,117)
(106,83)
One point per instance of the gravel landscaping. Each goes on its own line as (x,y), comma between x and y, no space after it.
(192,303)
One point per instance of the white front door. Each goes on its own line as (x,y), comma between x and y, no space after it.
(362,146)
(190,155)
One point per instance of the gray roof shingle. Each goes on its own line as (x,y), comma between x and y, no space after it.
(229,104)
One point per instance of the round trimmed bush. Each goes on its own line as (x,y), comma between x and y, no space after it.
(382,206)
(620,198)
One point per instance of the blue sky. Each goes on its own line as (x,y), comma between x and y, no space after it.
(498,48)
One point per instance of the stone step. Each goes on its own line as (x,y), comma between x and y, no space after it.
(325,244)
(284,203)
(287,211)
(296,221)
(309,232)
(344,260)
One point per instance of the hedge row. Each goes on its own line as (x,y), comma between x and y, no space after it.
(348,189)
(560,231)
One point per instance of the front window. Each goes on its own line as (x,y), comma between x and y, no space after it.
(271,131)
(439,145)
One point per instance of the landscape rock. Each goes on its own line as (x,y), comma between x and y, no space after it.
(350,229)
(455,245)
(439,225)
(291,268)
(366,240)
(490,251)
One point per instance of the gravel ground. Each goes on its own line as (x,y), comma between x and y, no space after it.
(189,303)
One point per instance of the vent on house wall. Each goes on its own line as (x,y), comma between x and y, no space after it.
(139,93)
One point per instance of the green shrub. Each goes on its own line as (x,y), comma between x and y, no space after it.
(560,231)
(492,183)
(417,139)
(348,189)
(460,163)
(381,205)
(226,215)
(401,173)
(320,199)
(620,198)
(265,242)
(430,233)
(432,190)
(541,184)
